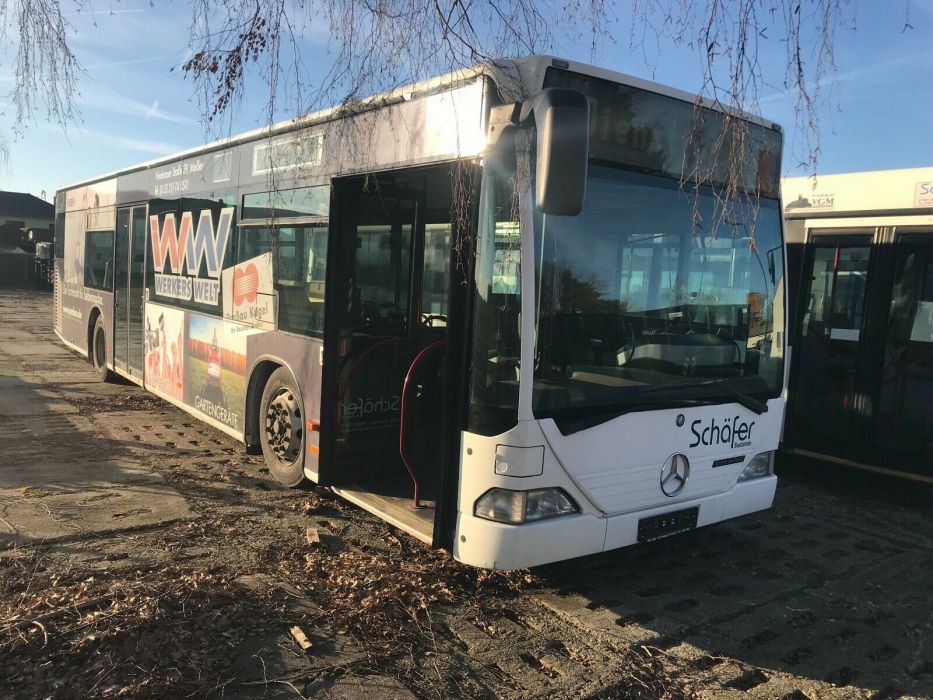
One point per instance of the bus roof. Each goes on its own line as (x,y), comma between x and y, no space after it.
(516,79)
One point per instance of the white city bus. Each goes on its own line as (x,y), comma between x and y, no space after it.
(491,308)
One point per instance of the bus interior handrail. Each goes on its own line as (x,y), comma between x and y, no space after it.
(402,449)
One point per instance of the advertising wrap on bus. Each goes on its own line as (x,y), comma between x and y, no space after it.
(188,254)
(197,361)
(216,370)
(165,351)
(248,293)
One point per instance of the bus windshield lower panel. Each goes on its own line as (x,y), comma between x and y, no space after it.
(653,297)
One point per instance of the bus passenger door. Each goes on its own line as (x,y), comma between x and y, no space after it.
(120,290)
(368,329)
(136,285)
(903,430)
(828,397)
(386,328)
(129,267)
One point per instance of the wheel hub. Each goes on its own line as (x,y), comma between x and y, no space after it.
(284,431)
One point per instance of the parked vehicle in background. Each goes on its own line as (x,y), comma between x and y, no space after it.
(860,265)
(44,265)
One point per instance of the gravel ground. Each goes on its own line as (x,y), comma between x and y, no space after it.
(144,554)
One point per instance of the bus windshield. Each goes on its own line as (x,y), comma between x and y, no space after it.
(651,286)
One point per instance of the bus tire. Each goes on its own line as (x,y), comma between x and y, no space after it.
(281,428)
(98,351)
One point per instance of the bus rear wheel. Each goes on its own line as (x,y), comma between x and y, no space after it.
(281,428)
(98,351)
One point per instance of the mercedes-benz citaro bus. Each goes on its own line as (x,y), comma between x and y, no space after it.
(503,309)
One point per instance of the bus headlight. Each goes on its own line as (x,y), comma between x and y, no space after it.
(760,465)
(507,506)
(501,505)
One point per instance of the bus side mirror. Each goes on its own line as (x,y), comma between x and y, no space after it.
(562,118)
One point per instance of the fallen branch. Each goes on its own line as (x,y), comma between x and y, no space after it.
(49,616)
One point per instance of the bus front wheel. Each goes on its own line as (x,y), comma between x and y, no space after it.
(98,351)
(281,428)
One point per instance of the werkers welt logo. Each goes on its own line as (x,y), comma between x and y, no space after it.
(187,252)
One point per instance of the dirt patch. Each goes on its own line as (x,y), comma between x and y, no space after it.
(137,626)
(132,399)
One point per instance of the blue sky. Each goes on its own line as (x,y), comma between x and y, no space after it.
(135,107)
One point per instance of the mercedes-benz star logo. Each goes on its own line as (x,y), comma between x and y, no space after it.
(674,474)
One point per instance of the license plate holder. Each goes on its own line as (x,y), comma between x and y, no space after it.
(658,527)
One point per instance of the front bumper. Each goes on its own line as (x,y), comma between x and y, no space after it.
(494,545)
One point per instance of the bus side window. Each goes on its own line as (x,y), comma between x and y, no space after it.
(299,257)
(300,265)
(98,260)
(436,274)
(59,236)
(252,242)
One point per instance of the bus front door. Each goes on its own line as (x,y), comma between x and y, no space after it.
(385,337)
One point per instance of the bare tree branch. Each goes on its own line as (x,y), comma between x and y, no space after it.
(372,46)
(45,68)
(729,35)
(376,45)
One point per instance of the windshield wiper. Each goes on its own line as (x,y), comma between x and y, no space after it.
(749,402)
(579,418)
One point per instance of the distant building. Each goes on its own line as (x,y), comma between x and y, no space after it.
(25,210)
(24,221)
